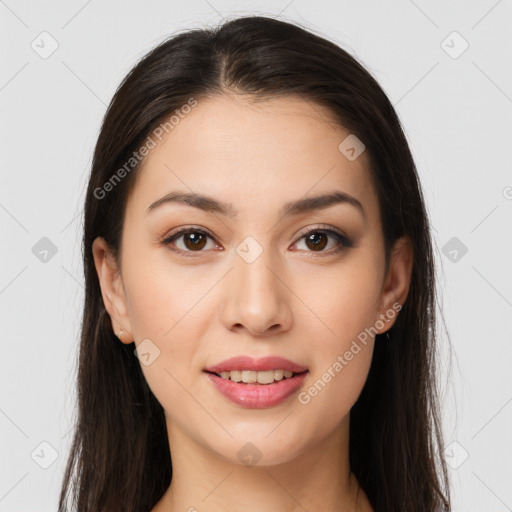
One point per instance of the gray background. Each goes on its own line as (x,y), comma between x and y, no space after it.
(455,105)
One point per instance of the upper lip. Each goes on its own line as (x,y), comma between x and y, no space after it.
(261,364)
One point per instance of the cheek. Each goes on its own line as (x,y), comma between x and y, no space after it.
(345,302)
(164,308)
(342,354)
(332,392)
(162,296)
(343,299)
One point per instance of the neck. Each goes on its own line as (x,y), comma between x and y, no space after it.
(317,479)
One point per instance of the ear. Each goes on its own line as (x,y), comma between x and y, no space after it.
(396,283)
(112,290)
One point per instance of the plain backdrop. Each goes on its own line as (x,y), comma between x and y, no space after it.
(447,68)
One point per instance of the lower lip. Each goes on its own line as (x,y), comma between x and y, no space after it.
(258,396)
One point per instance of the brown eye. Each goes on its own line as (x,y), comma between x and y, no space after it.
(191,240)
(194,241)
(316,240)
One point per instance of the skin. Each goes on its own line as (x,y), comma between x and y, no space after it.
(302,303)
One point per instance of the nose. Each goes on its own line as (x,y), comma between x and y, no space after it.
(257,299)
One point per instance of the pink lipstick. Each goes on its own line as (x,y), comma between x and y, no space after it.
(270,380)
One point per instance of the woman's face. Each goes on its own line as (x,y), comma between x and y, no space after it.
(249,281)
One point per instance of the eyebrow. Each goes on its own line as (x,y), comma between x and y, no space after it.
(211,205)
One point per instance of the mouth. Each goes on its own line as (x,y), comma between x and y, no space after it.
(257,383)
(257,389)
(263,377)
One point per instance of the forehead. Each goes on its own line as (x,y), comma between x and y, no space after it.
(252,154)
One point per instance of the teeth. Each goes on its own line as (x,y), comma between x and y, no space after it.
(279,374)
(249,377)
(262,377)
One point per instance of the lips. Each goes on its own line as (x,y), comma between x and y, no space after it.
(262,364)
(257,395)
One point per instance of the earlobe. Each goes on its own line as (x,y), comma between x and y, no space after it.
(111,289)
(397,281)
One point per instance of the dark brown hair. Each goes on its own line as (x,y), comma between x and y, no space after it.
(120,460)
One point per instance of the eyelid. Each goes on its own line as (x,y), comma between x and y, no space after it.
(184,229)
(322,227)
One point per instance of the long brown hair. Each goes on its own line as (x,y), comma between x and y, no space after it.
(120,460)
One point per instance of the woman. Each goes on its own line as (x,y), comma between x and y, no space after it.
(259,317)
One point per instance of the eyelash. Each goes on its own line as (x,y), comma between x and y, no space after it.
(343,240)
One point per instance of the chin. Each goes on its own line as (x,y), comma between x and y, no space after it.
(262,451)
